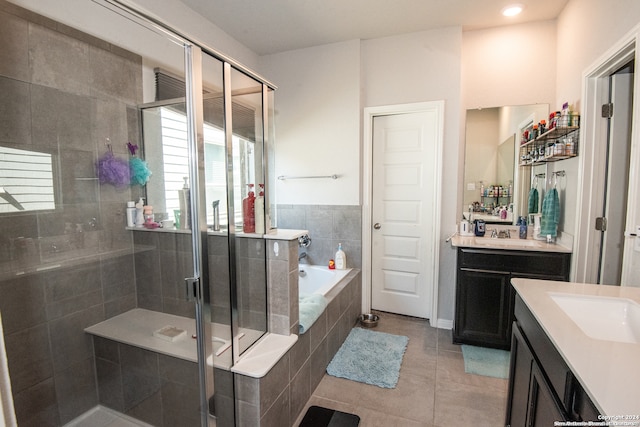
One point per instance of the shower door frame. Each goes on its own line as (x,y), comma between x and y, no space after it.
(196,287)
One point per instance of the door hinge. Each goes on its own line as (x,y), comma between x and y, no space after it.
(607,110)
(192,288)
(601,223)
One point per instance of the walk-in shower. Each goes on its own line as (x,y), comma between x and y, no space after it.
(78,289)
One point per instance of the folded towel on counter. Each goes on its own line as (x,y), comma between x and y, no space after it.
(310,308)
(550,214)
(533,200)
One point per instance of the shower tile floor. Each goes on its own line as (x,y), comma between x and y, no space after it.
(433,389)
(105,417)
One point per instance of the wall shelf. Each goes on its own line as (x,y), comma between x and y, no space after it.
(559,143)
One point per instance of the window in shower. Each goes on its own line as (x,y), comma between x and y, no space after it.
(167,125)
(26,180)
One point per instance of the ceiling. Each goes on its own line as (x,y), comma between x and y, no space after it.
(272,26)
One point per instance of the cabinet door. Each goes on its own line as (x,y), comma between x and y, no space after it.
(482,308)
(544,408)
(519,380)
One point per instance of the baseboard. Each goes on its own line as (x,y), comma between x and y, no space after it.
(444,324)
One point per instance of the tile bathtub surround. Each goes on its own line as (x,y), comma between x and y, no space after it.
(62,92)
(279,397)
(328,225)
(282,284)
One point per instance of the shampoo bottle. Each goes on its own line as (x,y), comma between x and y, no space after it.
(341,258)
(259,210)
(140,213)
(249,212)
(131,214)
(185,205)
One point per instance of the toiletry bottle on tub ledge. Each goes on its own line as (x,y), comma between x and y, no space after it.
(341,258)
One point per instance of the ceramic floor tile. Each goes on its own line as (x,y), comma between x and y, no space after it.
(433,389)
(451,369)
(463,405)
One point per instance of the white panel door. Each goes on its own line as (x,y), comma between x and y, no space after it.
(404,203)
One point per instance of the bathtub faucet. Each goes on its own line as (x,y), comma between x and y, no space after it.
(304,241)
(302,256)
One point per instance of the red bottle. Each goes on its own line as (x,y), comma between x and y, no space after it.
(248,212)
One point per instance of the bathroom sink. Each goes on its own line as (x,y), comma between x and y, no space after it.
(602,318)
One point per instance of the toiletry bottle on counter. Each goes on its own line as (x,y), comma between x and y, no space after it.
(522,223)
(341,258)
(131,214)
(249,211)
(259,209)
(185,205)
(140,213)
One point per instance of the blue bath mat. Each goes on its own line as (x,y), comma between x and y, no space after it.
(370,357)
(489,362)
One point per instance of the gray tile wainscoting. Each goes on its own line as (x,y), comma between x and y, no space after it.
(328,225)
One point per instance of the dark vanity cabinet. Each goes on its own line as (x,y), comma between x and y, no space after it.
(542,388)
(485,297)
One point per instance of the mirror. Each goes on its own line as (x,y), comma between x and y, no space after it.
(495,187)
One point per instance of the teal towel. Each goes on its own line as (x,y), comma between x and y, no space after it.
(310,308)
(550,214)
(533,200)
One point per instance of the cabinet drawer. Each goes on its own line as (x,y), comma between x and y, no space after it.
(542,264)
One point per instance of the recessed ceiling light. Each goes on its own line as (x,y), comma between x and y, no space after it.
(512,10)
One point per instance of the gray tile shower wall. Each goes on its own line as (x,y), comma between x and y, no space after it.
(63,92)
(162,261)
(157,389)
(328,225)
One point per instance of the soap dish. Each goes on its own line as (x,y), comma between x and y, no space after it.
(170,333)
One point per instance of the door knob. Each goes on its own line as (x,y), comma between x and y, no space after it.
(377,226)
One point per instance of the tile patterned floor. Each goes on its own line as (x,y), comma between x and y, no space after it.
(433,389)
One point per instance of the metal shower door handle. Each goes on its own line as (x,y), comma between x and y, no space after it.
(377,226)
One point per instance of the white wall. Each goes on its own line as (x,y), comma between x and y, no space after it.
(511,65)
(321,95)
(317,123)
(586,30)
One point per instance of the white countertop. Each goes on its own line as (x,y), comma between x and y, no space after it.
(609,371)
(506,244)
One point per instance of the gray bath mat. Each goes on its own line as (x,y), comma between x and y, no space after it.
(370,357)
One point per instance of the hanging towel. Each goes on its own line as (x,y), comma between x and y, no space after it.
(533,200)
(550,214)
(7,414)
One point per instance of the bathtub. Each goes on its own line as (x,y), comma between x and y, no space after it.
(317,279)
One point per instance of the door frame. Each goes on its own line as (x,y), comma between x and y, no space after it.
(591,175)
(367,193)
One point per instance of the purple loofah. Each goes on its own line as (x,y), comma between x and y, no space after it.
(140,172)
(112,170)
